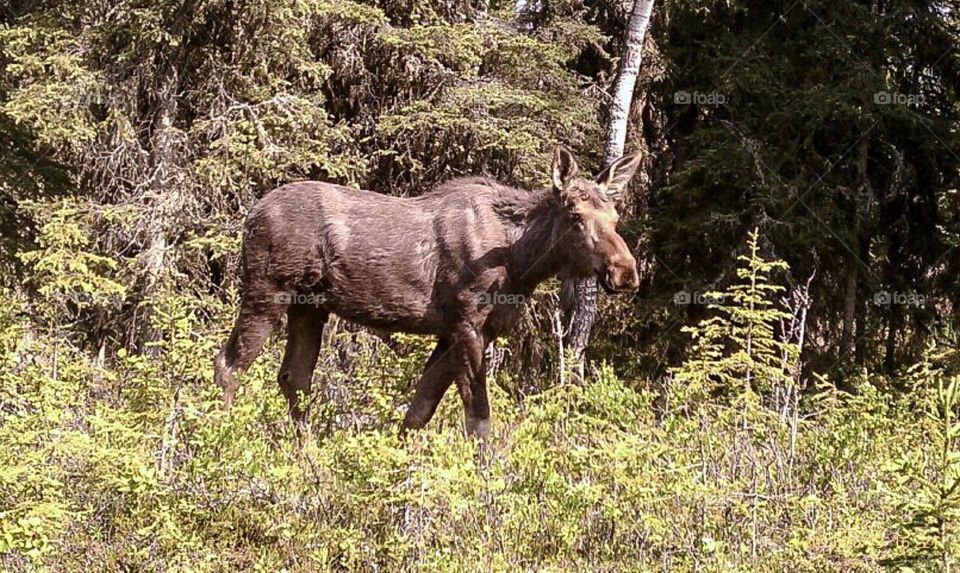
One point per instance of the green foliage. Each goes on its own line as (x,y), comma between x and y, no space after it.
(135,465)
(737,351)
(66,274)
(55,87)
(926,482)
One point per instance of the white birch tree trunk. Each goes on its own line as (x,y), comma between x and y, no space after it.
(584,299)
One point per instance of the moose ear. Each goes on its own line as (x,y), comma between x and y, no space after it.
(614,178)
(564,168)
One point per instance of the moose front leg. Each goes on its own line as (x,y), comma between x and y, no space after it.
(437,376)
(472,383)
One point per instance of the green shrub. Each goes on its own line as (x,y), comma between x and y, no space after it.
(131,464)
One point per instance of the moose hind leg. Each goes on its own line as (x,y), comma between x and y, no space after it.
(305,333)
(255,322)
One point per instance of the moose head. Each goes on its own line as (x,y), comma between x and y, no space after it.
(589,221)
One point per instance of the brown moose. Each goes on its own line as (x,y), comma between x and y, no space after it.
(441,264)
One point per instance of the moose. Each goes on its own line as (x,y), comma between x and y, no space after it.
(424,265)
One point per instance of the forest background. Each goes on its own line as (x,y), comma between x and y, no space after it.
(780,394)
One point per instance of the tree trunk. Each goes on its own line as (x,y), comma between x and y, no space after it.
(584,299)
(893,330)
(860,327)
(626,80)
(163,191)
(849,313)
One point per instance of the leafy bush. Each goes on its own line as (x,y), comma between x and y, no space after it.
(131,463)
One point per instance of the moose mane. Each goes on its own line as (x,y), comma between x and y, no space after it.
(460,184)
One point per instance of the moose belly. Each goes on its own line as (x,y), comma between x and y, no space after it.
(386,312)
(393,294)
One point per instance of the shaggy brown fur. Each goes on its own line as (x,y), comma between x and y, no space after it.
(441,264)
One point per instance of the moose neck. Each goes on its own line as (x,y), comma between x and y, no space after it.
(536,253)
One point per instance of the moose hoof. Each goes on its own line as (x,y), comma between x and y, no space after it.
(478,428)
